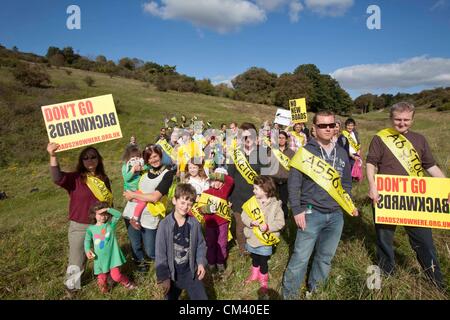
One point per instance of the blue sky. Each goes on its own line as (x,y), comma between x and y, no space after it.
(219,39)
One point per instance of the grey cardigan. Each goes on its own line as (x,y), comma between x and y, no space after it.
(165,261)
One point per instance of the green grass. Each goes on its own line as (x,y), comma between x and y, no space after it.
(33,229)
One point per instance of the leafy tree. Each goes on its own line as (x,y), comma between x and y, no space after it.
(69,55)
(365,102)
(291,86)
(57,60)
(101,59)
(255,85)
(161,83)
(31,75)
(127,63)
(51,51)
(327,94)
(205,86)
(222,90)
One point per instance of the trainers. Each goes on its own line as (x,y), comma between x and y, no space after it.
(135,224)
(142,267)
(212,268)
(70,294)
(130,285)
(103,287)
(220,267)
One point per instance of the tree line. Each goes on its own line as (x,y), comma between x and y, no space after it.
(256,85)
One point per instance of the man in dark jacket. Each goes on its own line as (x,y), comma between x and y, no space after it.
(243,190)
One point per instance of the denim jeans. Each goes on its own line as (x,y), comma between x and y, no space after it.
(323,231)
(421,241)
(146,237)
(194,287)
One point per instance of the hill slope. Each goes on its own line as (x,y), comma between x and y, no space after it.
(33,232)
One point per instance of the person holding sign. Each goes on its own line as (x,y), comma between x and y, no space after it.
(245,166)
(399,151)
(298,137)
(263,219)
(213,204)
(86,186)
(319,187)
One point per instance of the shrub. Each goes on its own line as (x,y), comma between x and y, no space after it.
(31,76)
(445,107)
(89,81)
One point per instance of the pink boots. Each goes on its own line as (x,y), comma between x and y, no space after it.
(263,282)
(254,275)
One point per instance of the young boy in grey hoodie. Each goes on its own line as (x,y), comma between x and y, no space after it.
(181,249)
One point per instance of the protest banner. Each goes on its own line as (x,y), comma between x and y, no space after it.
(283,117)
(79,123)
(413,201)
(298,110)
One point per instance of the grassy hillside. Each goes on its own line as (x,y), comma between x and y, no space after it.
(33,228)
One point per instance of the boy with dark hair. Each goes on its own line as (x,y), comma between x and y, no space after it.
(181,249)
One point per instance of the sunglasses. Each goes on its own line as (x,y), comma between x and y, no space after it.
(89,158)
(326,125)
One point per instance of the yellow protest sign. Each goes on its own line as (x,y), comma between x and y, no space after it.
(413,201)
(298,110)
(79,123)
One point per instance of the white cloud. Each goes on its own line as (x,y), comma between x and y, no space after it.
(230,15)
(439,4)
(331,8)
(271,5)
(220,15)
(417,71)
(294,9)
(223,79)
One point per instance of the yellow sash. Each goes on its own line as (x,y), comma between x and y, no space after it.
(168,149)
(197,214)
(403,150)
(99,189)
(299,137)
(281,157)
(223,210)
(351,141)
(243,166)
(252,209)
(158,208)
(324,175)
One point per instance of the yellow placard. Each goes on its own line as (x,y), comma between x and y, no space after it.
(298,110)
(79,123)
(413,201)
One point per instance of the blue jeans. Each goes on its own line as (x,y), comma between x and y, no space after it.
(323,231)
(421,241)
(146,237)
